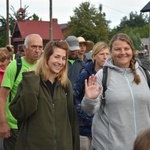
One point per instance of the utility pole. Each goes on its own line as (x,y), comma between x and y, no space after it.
(20,3)
(7,21)
(51,21)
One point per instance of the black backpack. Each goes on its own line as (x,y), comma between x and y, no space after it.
(104,84)
(19,65)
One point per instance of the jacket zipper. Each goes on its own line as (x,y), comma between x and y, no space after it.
(53,105)
(133,104)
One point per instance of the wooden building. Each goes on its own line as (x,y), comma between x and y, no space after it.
(25,27)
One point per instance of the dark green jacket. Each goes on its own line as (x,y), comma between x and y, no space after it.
(48,123)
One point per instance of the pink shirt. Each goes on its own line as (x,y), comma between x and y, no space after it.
(1,75)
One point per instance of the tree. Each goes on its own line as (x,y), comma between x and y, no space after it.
(3,38)
(136,22)
(90,23)
(136,39)
(12,21)
(35,17)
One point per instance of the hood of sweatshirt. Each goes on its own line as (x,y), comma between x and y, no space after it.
(109,63)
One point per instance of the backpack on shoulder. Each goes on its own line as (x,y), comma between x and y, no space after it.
(104,84)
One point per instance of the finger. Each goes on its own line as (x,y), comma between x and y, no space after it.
(85,83)
(89,81)
(93,80)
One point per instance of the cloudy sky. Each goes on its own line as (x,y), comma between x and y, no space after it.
(62,9)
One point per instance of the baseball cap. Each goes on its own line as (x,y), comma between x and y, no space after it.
(73,43)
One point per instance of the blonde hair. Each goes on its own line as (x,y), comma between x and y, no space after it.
(98,47)
(127,39)
(42,67)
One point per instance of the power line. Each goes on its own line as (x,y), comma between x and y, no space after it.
(115,9)
(112,8)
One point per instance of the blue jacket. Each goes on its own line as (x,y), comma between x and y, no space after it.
(85,120)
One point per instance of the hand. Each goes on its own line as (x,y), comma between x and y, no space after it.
(4,130)
(91,90)
(29,70)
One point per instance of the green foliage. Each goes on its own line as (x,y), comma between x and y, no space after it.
(136,40)
(89,23)
(138,23)
(143,31)
(134,20)
(12,21)
(35,17)
(136,27)
(3,37)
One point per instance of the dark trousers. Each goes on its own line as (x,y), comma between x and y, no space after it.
(10,143)
(1,144)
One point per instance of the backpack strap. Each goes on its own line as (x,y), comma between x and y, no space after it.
(19,65)
(147,75)
(104,80)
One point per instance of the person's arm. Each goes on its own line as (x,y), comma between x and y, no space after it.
(26,99)
(4,128)
(79,90)
(91,100)
(90,106)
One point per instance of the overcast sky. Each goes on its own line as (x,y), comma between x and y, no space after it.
(62,9)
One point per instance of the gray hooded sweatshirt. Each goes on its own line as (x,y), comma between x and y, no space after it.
(126,112)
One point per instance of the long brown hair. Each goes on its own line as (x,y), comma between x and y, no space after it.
(142,141)
(42,66)
(127,39)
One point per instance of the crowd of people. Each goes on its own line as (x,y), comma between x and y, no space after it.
(56,99)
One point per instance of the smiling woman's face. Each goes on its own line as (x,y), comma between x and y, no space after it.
(121,53)
(57,60)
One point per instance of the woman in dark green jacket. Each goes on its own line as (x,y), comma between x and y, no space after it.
(44,104)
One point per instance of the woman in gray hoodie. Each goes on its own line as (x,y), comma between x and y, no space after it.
(126,110)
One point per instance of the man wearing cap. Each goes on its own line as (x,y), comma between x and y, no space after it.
(85,47)
(75,65)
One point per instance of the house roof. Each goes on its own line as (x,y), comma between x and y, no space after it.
(26,27)
(146,8)
(63,26)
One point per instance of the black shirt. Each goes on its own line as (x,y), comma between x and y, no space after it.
(51,86)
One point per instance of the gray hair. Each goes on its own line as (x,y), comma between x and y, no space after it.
(26,41)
